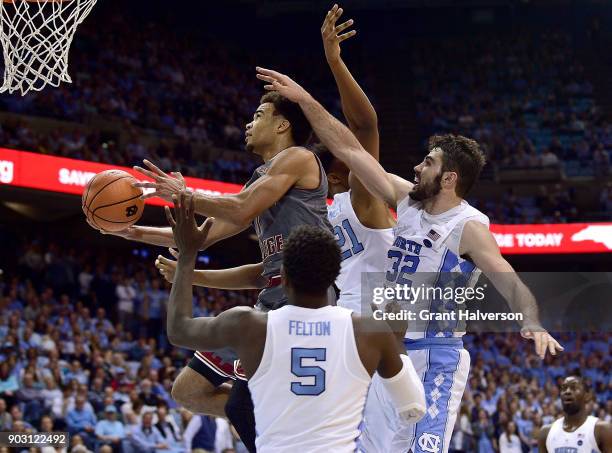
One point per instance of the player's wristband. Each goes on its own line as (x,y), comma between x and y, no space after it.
(406,392)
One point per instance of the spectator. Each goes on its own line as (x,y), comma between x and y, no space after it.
(6,420)
(601,162)
(126,294)
(149,399)
(168,427)
(509,442)
(200,432)
(462,438)
(525,425)
(8,381)
(32,397)
(77,445)
(484,431)
(549,159)
(153,309)
(46,426)
(146,438)
(110,431)
(81,420)
(17,416)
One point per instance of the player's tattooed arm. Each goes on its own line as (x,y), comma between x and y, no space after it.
(335,135)
(248,276)
(479,244)
(294,166)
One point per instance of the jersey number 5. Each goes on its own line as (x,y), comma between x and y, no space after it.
(356,245)
(299,370)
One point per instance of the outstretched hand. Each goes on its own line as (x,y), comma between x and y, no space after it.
(166,266)
(128,233)
(188,236)
(283,84)
(331,33)
(165,185)
(542,339)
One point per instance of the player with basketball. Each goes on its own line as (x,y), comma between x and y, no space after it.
(576,431)
(288,190)
(309,364)
(437,232)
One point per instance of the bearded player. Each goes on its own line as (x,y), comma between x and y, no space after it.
(288,190)
(437,232)
(576,431)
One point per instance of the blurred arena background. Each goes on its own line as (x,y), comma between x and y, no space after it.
(530,80)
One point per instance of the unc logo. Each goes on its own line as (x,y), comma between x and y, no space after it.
(131,210)
(429,443)
(333,212)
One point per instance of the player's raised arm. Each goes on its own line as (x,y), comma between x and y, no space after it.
(479,244)
(183,329)
(360,116)
(334,135)
(241,277)
(356,107)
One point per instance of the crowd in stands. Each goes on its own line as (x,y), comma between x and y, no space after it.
(155,80)
(553,204)
(200,95)
(525,97)
(511,393)
(82,349)
(170,155)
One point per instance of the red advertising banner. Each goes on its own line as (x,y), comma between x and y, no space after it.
(59,174)
(554,238)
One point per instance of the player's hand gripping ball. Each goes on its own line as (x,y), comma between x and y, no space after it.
(110,201)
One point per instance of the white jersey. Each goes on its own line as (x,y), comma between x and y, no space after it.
(310,388)
(363,250)
(582,440)
(424,253)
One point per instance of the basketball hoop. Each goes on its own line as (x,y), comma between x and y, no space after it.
(36,37)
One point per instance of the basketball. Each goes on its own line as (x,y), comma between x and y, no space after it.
(110,202)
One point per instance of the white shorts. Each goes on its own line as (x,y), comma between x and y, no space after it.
(444,372)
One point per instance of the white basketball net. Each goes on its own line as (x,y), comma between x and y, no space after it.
(36,37)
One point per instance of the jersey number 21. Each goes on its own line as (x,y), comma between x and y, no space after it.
(356,246)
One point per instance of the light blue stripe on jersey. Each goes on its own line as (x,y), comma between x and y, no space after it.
(438,382)
(452,274)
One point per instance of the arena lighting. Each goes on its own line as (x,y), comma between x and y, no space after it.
(59,174)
